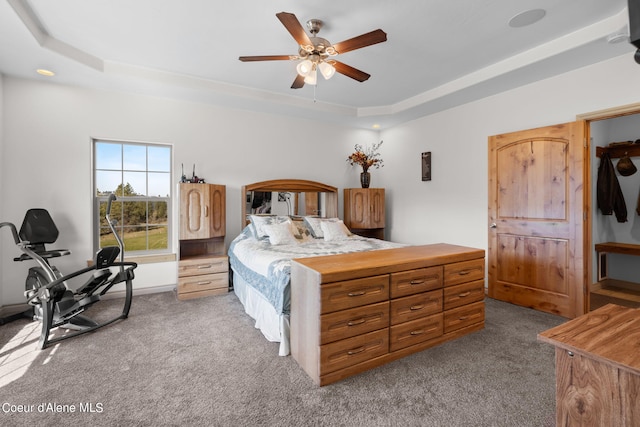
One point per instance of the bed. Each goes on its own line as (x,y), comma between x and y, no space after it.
(260,256)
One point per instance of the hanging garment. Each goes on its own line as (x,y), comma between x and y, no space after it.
(609,193)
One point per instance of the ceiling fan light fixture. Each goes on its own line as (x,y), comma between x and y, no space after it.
(312,77)
(304,67)
(314,52)
(327,70)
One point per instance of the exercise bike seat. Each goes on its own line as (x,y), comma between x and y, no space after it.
(39,229)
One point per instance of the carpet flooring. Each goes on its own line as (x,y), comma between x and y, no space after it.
(202,363)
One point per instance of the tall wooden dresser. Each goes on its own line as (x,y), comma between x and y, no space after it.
(203,268)
(364,211)
(356,311)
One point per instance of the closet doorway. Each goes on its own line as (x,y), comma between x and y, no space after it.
(615,246)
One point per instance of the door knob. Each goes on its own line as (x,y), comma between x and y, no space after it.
(493,225)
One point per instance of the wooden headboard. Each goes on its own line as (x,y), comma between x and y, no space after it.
(292,186)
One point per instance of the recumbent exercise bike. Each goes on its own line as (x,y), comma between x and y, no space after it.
(54,303)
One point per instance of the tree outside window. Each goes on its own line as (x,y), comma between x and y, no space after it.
(140,176)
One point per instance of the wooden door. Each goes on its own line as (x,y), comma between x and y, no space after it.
(217,211)
(376,203)
(537,214)
(356,207)
(194,210)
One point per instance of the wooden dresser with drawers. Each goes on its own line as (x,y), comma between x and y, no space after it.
(353,312)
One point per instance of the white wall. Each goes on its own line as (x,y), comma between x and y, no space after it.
(605,227)
(48,131)
(48,128)
(2,232)
(452,207)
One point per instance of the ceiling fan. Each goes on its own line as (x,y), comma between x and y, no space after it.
(316,54)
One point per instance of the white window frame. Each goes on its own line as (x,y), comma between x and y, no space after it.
(103,198)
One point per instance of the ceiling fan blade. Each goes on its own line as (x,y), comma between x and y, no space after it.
(267,58)
(298,82)
(349,71)
(364,40)
(294,27)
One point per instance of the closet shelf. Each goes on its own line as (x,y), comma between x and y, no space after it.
(608,290)
(618,248)
(616,152)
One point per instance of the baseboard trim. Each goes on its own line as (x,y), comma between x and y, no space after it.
(140,291)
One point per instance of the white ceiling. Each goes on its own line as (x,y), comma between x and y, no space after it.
(439,53)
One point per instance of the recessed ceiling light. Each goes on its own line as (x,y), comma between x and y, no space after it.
(376,126)
(617,37)
(44,72)
(527,17)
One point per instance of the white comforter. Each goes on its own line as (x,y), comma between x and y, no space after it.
(267,267)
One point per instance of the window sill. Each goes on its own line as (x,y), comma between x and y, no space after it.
(145,259)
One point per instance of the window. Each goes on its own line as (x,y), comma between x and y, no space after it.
(140,176)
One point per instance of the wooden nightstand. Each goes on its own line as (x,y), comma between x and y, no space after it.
(202,276)
(203,268)
(364,211)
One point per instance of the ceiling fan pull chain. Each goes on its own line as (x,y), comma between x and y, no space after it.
(314,93)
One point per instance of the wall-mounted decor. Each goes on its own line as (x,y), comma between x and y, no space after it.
(426,166)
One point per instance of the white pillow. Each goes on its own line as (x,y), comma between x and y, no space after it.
(260,221)
(334,230)
(280,234)
(313,223)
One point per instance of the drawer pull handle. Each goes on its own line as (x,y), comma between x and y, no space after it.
(464,294)
(201,267)
(356,322)
(416,282)
(463,318)
(417,332)
(357,294)
(464,272)
(356,351)
(416,307)
(208,282)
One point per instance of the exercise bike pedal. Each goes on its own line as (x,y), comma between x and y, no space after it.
(79,323)
(98,278)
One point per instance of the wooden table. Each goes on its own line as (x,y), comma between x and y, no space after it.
(598,368)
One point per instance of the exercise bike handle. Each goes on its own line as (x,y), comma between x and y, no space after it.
(13,231)
(112,198)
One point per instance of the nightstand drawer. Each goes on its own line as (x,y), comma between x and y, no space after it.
(354,293)
(457,295)
(203,282)
(462,272)
(461,317)
(198,266)
(416,331)
(415,281)
(415,306)
(351,351)
(355,321)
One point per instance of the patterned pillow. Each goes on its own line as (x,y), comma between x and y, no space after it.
(334,230)
(313,222)
(280,234)
(300,229)
(259,222)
